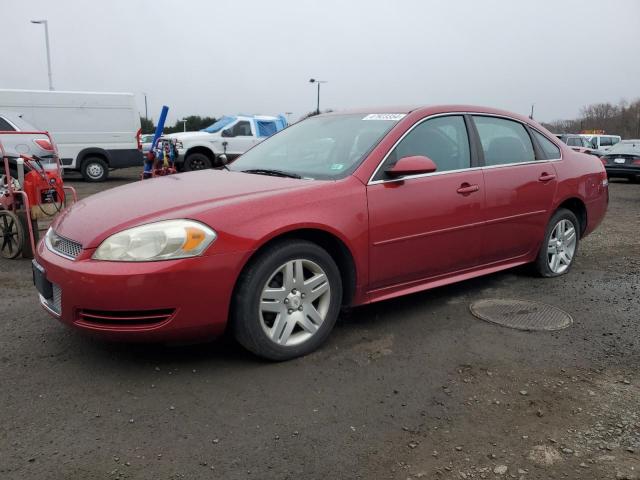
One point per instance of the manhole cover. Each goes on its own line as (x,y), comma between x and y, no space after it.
(521,314)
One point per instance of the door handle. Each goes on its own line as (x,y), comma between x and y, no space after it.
(466,189)
(546,177)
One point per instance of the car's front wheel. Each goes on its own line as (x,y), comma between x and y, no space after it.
(287,300)
(197,161)
(560,244)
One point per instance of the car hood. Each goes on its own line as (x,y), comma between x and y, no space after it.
(96,217)
(192,136)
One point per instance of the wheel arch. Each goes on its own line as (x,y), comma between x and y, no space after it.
(92,152)
(332,243)
(579,209)
(203,150)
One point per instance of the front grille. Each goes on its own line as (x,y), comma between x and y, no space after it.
(64,246)
(55,303)
(124,317)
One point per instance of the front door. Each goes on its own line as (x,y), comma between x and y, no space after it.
(425,226)
(239,137)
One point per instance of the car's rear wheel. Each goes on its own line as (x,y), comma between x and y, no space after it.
(94,169)
(197,161)
(287,300)
(560,245)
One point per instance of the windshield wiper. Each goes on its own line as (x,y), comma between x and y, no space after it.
(273,173)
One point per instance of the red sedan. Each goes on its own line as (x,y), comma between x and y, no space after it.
(339,209)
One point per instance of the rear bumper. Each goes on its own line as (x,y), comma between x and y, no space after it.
(169,301)
(622,171)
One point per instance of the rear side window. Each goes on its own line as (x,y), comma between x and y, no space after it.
(504,141)
(606,141)
(5,126)
(574,142)
(615,140)
(443,139)
(551,151)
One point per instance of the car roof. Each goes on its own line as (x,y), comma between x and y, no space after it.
(431,110)
(18,121)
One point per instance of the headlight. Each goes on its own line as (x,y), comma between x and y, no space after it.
(164,240)
(179,144)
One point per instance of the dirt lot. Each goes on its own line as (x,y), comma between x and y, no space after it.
(409,388)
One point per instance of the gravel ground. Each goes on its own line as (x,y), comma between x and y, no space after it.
(409,388)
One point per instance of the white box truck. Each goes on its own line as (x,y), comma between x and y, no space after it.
(94,131)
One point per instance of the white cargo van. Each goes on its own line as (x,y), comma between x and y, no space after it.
(94,131)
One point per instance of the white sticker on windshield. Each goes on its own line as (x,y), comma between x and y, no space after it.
(385,116)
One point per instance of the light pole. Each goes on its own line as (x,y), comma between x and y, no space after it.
(313,80)
(184,124)
(46,38)
(146,112)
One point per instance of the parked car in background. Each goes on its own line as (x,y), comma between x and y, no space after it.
(16,145)
(231,135)
(94,132)
(146,141)
(601,143)
(273,247)
(577,142)
(623,160)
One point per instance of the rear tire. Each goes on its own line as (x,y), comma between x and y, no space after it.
(560,245)
(197,161)
(94,169)
(287,300)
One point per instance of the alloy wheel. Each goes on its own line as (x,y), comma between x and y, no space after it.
(294,302)
(561,246)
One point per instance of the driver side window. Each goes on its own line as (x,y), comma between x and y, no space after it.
(443,139)
(240,129)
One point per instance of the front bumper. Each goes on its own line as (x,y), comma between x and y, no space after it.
(168,301)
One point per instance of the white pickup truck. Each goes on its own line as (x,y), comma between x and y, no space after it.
(230,136)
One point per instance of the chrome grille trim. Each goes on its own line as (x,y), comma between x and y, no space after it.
(54,305)
(63,246)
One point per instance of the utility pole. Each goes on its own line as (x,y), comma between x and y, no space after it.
(46,39)
(146,112)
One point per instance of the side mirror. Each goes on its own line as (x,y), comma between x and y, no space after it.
(226,133)
(413,165)
(222,159)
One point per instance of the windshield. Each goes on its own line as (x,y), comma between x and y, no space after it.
(625,148)
(219,125)
(328,147)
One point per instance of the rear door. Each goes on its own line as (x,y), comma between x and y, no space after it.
(425,226)
(520,184)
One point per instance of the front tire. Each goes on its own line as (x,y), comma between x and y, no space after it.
(560,245)
(287,300)
(197,161)
(94,169)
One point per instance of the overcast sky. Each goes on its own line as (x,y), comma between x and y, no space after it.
(256,56)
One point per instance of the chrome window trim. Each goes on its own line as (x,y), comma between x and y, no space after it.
(446,114)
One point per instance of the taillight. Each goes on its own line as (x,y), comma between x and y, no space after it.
(636,161)
(44,144)
(139,138)
(603,160)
